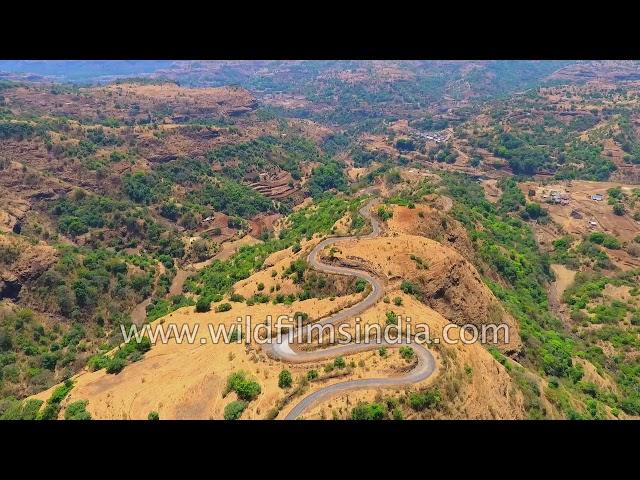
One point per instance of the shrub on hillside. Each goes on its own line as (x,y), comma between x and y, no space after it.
(77,411)
(233,410)
(223,307)
(284,379)
(368,411)
(203,305)
(424,399)
(245,388)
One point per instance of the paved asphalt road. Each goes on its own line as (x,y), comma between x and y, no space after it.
(282,350)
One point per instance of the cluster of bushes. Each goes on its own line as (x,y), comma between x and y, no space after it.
(223,307)
(296,270)
(421,264)
(606,240)
(562,253)
(98,136)
(424,399)
(233,410)
(533,211)
(410,196)
(409,288)
(405,145)
(78,213)
(326,177)
(219,277)
(523,157)
(246,389)
(429,123)
(265,152)
(359,285)
(591,251)
(130,352)
(93,284)
(231,197)
(145,188)
(369,411)
(159,307)
(16,130)
(12,409)
(83,149)
(444,152)
(407,352)
(391,318)
(593,165)
(77,411)
(34,356)
(550,147)
(285,379)
(52,407)
(363,157)
(384,213)
(612,313)
(588,288)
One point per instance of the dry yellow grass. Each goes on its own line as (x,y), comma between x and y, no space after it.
(187,380)
(486,390)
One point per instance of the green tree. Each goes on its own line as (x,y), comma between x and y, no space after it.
(619,209)
(284,379)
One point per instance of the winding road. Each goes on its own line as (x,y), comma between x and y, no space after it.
(281,349)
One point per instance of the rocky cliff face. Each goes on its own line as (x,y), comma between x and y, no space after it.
(442,278)
(22,263)
(454,288)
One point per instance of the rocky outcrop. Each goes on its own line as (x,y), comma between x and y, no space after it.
(454,288)
(9,286)
(12,213)
(432,223)
(22,263)
(441,277)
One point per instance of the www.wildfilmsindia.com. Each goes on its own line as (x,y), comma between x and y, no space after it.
(245,330)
